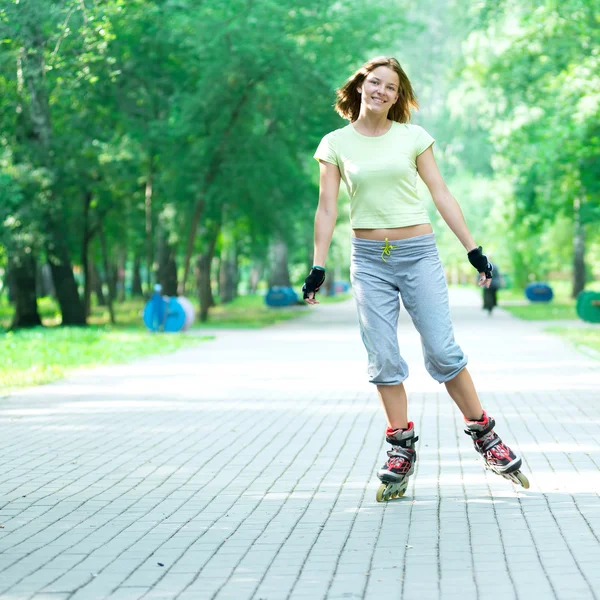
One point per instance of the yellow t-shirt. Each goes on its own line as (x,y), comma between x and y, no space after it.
(380,174)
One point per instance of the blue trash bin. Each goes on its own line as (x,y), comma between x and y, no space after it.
(162,313)
(281,296)
(539,292)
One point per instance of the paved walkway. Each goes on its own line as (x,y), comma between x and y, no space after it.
(245,468)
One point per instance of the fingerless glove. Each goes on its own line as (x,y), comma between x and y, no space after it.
(480,261)
(314,281)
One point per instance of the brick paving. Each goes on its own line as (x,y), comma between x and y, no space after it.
(245,468)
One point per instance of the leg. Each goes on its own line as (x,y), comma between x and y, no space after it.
(462,391)
(488,300)
(425,295)
(378,307)
(395,405)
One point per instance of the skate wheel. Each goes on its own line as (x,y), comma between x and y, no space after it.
(522,479)
(380,493)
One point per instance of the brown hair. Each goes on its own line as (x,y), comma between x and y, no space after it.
(348,98)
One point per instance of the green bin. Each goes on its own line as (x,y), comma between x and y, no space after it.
(588,306)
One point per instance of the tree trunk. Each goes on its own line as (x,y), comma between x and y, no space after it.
(67,294)
(148,213)
(203,284)
(167,267)
(32,63)
(121,279)
(228,276)
(136,284)
(87,289)
(204,264)
(198,210)
(578,251)
(280,275)
(33,66)
(22,271)
(106,263)
(254,278)
(212,171)
(45,285)
(96,281)
(85,246)
(112,275)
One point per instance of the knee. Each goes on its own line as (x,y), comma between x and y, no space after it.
(445,363)
(386,370)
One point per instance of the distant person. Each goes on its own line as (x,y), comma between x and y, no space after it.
(378,155)
(490,293)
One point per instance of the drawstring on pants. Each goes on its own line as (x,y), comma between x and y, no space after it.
(387,250)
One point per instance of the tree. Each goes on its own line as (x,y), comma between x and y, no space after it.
(538,64)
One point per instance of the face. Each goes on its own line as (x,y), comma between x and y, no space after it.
(379,90)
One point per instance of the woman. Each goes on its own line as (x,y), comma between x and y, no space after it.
(378,156)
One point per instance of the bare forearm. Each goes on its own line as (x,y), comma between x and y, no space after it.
(324,226)
(450,210)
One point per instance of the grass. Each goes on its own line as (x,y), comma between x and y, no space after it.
(250,312)
(561,307)
(44,354)
(40,355)
(584,337)
(537,311)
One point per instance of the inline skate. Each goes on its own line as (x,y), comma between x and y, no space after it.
(497,456)
(400,464)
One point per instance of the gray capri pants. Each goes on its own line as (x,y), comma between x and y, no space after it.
(380,271)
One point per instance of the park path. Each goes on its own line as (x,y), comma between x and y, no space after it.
(245,468)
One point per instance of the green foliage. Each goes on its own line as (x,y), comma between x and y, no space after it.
(41,355)
(537,64)
(158,109)
(511,92)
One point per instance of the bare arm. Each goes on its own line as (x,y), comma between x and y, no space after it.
(444,201)
(446,204)
(326,216)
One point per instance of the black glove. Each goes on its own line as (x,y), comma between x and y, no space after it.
(314,281)
(480,261)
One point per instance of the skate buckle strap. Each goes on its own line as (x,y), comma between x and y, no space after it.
(489,440)
(387,250)
(407,443)
(401,452)
(410,442)
(479,433)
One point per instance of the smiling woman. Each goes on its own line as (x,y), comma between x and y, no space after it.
(378,156)
(385,79)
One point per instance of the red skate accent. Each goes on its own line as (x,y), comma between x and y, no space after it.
(498,453)
(483,421)
(391,431)
(398,465)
